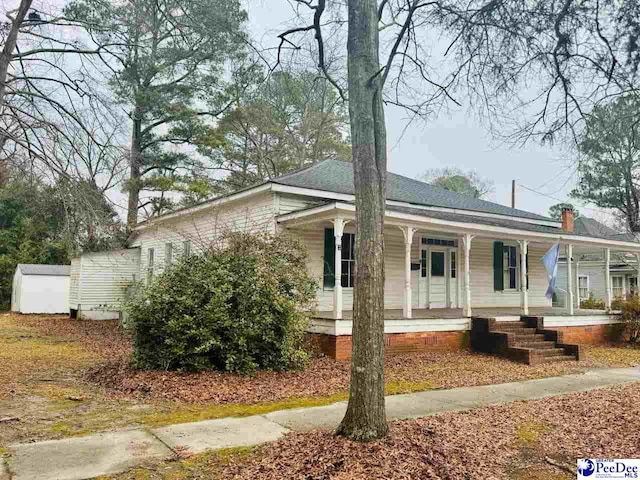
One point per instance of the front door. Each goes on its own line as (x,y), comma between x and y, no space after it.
(438,278)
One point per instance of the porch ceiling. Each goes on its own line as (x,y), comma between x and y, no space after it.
(449,313)
(453,222)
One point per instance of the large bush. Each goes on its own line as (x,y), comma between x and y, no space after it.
(237,308)
(631,319)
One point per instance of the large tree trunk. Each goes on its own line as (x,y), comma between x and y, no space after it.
(134,173)
(5,60)
(365,419)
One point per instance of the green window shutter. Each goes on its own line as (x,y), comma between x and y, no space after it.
(329,276)
(498,266)
(527,262)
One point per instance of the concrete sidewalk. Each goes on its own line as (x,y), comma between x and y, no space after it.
(112,452)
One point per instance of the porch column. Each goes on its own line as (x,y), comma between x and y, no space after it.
(637,274)
(524,289)
(408,240)
(569,253)
(338,228)
(607,278)
(466,244)
(577,282)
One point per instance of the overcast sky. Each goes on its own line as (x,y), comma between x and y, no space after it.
(455,138)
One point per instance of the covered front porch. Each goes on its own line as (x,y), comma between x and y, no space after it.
(501,313)
(446,264)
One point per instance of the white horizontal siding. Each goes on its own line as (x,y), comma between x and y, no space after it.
(74,286)
(106,276)
(481,261)
(204,228)
(288,203)
(594,271)
(482,291)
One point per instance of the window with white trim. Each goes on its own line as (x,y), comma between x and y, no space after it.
(617,287)
(453,264)
(583,287)
(150,255)
(510,262)
(168,255)
(186,248)
(348,259)
(633,286)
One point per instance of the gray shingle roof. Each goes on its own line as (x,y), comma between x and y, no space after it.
(593,228)
(53,270)
(504,222)
(337,176)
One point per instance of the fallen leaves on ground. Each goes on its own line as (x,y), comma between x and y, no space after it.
(536,439)
(324,376)
(65,377)
(483,443)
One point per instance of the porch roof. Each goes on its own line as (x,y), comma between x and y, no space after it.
(459,223)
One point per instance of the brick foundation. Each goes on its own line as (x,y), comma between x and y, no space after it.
(339,347)
(591,334)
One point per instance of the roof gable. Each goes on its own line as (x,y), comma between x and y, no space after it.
(337,176)
(51,270)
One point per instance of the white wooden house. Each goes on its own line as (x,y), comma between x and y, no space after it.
(40,289)
(447,257)
(589,267)
(100,281)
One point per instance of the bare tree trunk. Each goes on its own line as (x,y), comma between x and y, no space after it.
(365,419)
(134,175)
(5,60)
(10,45)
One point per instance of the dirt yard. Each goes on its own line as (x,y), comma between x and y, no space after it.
(60,377)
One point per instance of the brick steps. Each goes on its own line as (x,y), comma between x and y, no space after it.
(524,341)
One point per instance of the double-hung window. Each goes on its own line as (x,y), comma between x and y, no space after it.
(150,264)
(617,286)
(348,259)
(510,263)
(583,287)
(168,255)
(186,248)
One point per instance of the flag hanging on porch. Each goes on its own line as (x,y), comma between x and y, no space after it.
(550,261)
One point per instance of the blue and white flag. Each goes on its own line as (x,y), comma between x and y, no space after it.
(550,261)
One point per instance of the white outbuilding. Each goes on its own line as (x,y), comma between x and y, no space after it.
(100,282)
(41,289)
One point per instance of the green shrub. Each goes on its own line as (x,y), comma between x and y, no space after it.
(592,304)
(631,319)
(617,303)
(237,308)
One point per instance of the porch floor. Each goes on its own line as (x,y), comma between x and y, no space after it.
(444,313)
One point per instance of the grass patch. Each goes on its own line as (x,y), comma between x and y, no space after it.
(196,413)
(396,387)
(529,434)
